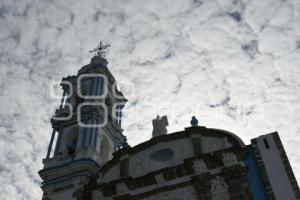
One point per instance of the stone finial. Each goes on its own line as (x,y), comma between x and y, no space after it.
(160,126)
(194,121)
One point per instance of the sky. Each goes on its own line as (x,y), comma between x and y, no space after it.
(235,64)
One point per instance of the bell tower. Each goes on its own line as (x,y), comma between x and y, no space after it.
(86,129)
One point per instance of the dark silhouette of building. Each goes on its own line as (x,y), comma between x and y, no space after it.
(92,160)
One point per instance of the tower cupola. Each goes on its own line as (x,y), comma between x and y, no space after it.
(86,127)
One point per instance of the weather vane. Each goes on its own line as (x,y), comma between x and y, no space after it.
(100,50)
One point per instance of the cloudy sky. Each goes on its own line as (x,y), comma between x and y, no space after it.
(235,64)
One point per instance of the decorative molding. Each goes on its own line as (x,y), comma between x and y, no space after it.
(199,166)
(229,159)
(187,133)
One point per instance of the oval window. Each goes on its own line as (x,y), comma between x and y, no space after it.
(162,155)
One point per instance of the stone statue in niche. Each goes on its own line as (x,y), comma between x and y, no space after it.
(229,159)
(160,180)
(160,126)
(199,166)
(219,189)
(218,185)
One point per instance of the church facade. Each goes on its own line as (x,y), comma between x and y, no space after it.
(89,159)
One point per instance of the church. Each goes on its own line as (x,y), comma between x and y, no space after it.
(89,158)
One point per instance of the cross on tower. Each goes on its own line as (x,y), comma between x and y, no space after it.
(100,50)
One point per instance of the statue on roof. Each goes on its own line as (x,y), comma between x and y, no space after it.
(160,126)
(100,50)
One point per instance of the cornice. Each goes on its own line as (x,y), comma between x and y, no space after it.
(187,133)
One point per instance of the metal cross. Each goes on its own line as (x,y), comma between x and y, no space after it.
(100,50)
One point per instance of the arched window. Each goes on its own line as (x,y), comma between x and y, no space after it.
(71,141)
(104,148)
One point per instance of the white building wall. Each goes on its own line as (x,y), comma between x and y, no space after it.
(275,169)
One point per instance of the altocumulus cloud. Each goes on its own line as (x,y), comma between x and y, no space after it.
(234,63)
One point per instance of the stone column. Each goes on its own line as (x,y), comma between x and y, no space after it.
(51,143)
(60,132)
